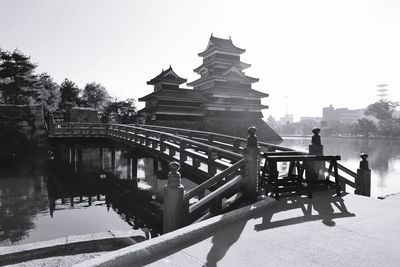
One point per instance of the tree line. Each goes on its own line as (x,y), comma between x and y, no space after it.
(21,85)
(379,122)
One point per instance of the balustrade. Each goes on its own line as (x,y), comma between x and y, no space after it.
(226,162)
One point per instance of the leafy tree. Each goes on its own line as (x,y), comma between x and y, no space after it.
(120,111)
(49,94)
(18,83)
(12,140)
(382,110)
(365,127)
(95,95)
(69,98)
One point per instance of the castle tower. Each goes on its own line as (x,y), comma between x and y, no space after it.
(168,102)
(224,84)
(222,99)
(231,104)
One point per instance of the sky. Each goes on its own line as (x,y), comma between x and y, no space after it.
(307,54)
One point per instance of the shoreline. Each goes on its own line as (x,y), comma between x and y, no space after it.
(342,137)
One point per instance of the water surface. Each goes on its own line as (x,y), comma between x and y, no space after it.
(384,158)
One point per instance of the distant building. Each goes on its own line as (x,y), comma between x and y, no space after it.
(343,115)
(288,118)
(222,99)
(311,119)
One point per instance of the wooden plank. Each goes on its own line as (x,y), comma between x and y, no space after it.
(302,158)
(217,193)
(284,153)
(347,171)
(215,179)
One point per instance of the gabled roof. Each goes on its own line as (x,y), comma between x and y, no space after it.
(178,95)
(168,76)
(220,44)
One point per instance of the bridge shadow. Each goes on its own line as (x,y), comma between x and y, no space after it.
(222,241)
(324,207)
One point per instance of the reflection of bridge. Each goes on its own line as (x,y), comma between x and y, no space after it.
(229,165)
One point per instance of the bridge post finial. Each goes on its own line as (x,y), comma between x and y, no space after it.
(252,154)
(252,138)
(363,182)
(364,161)
(315,170)
(174,177)
(175,207)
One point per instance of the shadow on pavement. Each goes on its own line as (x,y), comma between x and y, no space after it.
(324,204)
(223,239)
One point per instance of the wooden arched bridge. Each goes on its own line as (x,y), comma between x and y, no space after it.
(231,168)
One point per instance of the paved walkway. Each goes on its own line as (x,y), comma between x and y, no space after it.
(324,231)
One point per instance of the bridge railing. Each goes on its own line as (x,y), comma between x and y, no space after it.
(360,180)
(188,152)
(70,129)
(218,157)
(228,142)
(224,188)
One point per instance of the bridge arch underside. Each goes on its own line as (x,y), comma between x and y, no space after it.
(192,168)
(196,173)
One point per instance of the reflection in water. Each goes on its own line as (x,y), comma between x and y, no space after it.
(75,193)
(384,158)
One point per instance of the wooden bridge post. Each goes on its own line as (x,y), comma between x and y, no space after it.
(162,143)
(134,163)
(182,152)
(363,181)
(315,170)
(129,167)
(236,145)
(252,154)
(79,159)
(210,139)
(113,167)
(51,125)
(212,168)
(175,208)
(102,159)
(71,150)
(155,167)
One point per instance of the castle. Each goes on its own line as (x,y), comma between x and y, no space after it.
(222,99)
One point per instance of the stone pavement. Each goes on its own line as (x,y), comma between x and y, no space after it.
(326,230)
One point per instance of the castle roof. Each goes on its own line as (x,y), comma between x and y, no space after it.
(177,95)
(223,45)
(167,76)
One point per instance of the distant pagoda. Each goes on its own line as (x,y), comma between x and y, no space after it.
(221,101)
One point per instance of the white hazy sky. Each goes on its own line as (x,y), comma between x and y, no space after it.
(314,52)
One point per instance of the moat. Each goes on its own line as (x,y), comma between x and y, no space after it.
(41,201)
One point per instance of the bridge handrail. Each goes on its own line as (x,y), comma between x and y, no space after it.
(213,180)
(215,194)
(229,137)
(269,146)
(188,141)
(186,136)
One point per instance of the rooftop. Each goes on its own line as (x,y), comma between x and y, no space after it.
(227,45)
(168,76)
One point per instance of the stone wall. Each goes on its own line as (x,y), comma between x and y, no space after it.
(29,120)
(83,115)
